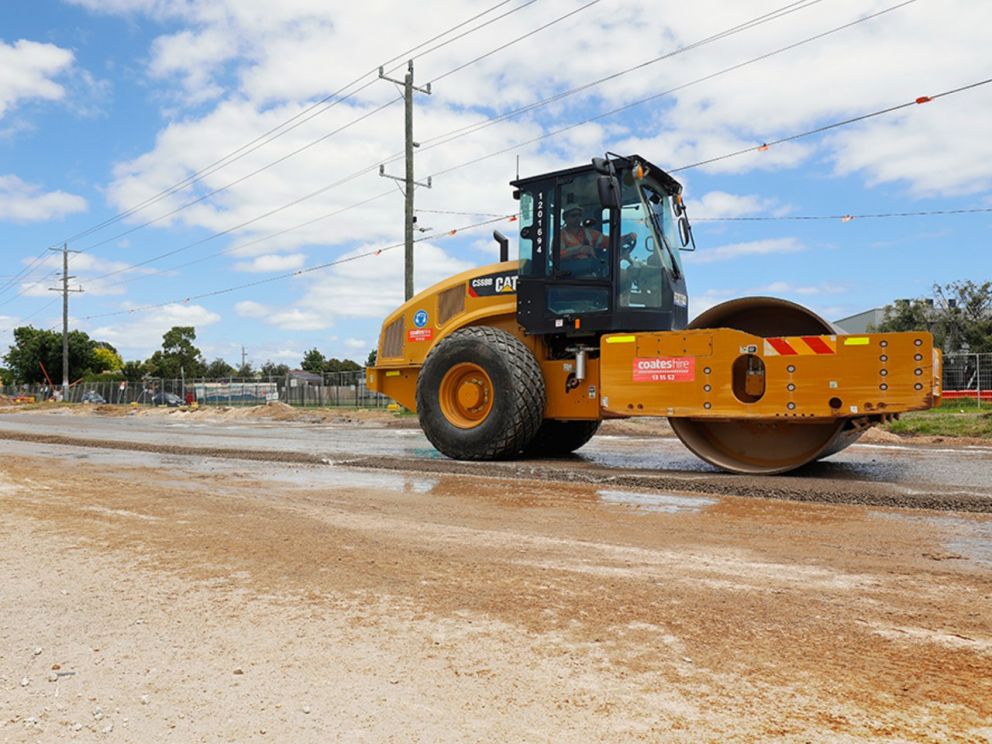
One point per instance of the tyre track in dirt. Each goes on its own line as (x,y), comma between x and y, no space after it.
(805,488)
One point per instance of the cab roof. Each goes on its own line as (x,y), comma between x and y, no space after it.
(621,163)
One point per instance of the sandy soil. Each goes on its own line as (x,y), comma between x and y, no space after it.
(239,601)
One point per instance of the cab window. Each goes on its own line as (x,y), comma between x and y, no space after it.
(582,231)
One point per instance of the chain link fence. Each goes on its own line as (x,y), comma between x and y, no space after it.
(332,389)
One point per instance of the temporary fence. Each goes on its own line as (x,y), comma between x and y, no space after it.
(968,376)
(333,389)
(965,376)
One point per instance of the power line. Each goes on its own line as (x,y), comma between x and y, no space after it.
(300,272)
(283,127)
(12,281)
(216,191)
(758,20)
(752,23)
(334,132)
(917,101)
(514,41)
(321,139)
(847,217)
(240,246)
(765,145)
(664,93)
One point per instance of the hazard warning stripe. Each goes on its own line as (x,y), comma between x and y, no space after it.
(820,345)
(778,346)
(800,346)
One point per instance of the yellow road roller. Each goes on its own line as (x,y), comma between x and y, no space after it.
(525,358)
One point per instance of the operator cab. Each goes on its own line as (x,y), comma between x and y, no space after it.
(599,249)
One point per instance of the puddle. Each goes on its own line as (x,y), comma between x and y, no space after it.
(657,502)
(971,539)
(334,477)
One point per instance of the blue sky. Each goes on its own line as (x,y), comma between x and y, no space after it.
(106,103)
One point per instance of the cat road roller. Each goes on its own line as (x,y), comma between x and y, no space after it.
(526,358)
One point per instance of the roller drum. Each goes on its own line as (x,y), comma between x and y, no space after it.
(763,447)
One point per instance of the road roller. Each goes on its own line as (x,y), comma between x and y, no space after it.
(526,358)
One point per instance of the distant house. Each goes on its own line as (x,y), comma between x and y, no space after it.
(859,323)
(302,377)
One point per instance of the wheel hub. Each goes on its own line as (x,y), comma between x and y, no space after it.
(466,395)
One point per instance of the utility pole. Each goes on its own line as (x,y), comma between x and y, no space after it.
(242,357)
(65,314)
(410,218)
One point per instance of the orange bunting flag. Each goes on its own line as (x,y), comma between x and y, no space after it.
(846,218)
(924,99)
(762,148)
(452,232)
(513,218)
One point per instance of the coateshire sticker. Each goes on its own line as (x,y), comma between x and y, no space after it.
(664,369)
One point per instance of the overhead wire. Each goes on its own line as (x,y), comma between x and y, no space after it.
(763,146)
(916,101)
(827,127)
(758,20)
(240,246)
(847,217)
(300,272)
(438,140)
(656,96)
(311,144)
(282,128)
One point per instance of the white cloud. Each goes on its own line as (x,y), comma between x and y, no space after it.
(290,319)
(753,248)
(194,57)
(272,263)
(357,343)
(249,309)
(141,334)
(715,204)
(26,202)
(26,72)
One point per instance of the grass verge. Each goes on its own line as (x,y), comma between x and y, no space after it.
(956,418)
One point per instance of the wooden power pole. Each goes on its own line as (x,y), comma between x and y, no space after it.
(408,180)
(64,289)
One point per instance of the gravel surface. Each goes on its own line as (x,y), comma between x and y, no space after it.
(197,594)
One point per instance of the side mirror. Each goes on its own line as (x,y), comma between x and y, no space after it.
(685,233)
(601,166)
(609,192)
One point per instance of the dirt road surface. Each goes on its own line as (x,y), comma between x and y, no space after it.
(171,578)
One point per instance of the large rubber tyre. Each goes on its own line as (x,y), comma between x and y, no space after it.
(560,438)
(480,395)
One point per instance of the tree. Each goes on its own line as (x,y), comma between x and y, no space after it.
(245,371)
(313,361)
(218,369)
(965,322)
(6,378)
(370,361)
(134,371)
(33,347)
(178,355)
(270,369)
(959,315)
(340,365)
(106,359)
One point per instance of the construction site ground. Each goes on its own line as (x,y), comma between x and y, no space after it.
(268,574)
